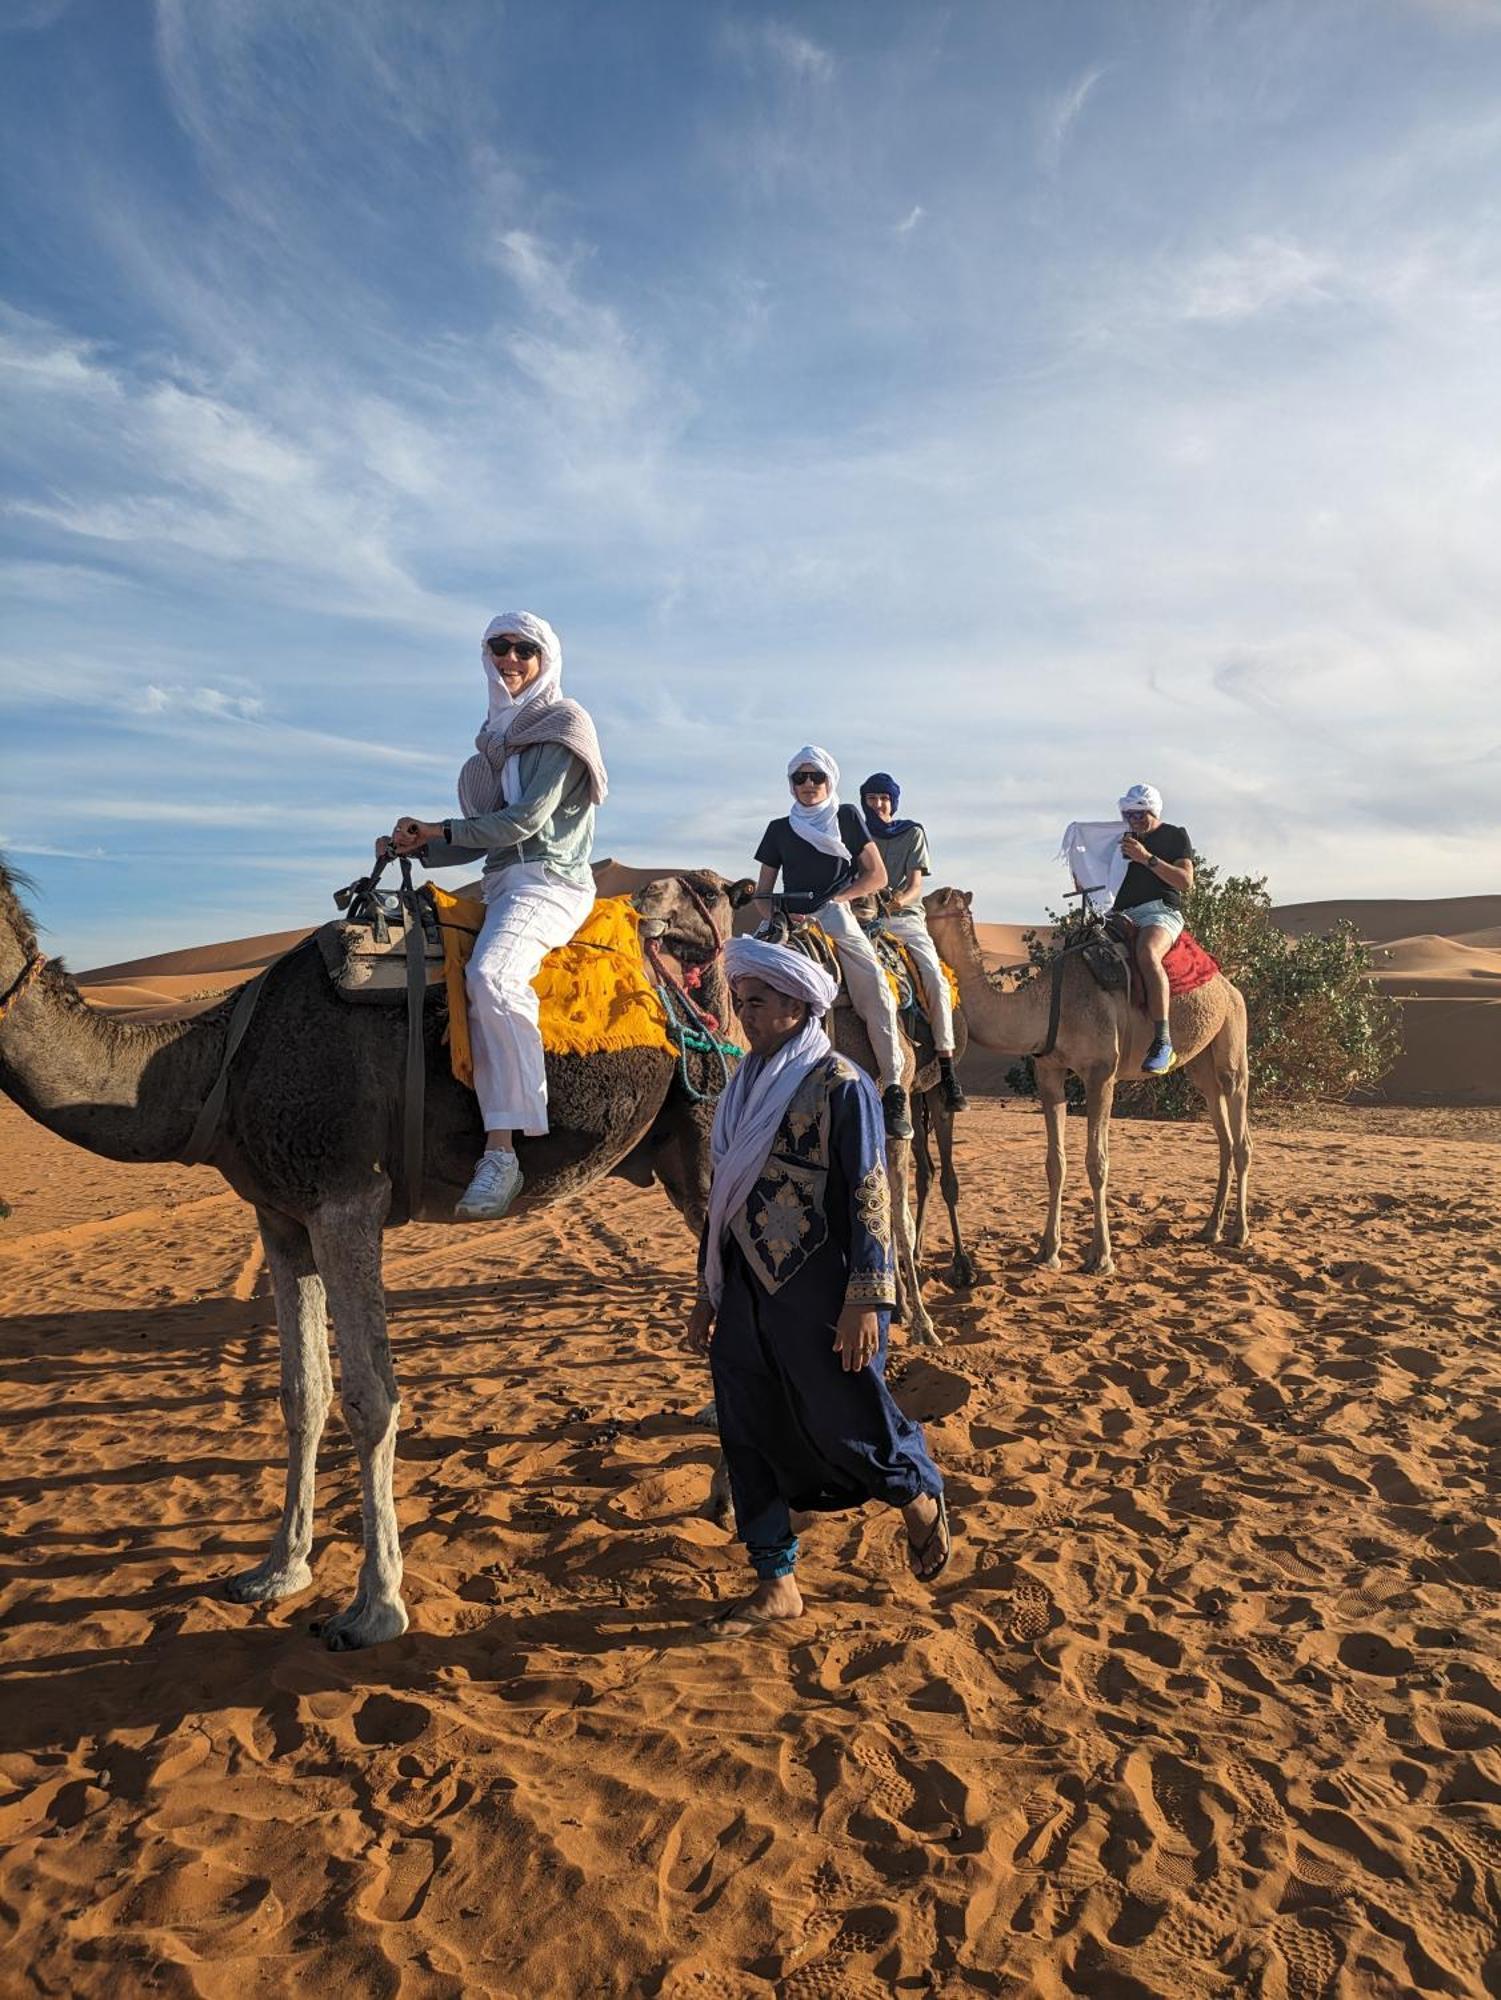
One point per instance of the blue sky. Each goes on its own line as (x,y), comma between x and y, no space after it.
(1027,398)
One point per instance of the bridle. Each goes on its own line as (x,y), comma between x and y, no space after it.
(25,978)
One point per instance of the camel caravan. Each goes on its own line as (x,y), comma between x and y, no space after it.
(464,1058)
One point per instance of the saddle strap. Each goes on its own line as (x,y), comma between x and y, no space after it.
(207,1122)
(1055,1009)
(416,1064)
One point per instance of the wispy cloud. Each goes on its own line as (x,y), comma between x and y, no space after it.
(1061,113)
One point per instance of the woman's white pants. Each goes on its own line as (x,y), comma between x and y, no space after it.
(911,926)
(530,910)
(870,990)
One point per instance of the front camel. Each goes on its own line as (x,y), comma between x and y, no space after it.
(1102,1039)
(311,1135)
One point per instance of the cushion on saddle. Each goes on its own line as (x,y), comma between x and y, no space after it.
(1187,965)
(593,993)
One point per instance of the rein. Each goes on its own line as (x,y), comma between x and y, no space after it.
(692,1027)
(25,978)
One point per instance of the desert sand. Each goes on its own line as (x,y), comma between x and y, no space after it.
(1207,1703)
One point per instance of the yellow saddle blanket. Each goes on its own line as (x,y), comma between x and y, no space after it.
(594,992)
(886,948)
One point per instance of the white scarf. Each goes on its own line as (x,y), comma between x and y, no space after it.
(504,707)
(1092,849)
(818,825)
(750,1110)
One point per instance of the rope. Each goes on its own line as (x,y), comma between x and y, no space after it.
(28,973)
(699,1041)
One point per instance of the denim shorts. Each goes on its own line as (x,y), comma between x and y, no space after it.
(1158,915)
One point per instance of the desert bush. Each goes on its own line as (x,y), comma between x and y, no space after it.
(1319,1028)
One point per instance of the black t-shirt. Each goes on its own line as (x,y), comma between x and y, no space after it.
(1168,843)
(805,869)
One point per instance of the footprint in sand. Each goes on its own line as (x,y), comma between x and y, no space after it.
(1305,1958)
(1030,1614)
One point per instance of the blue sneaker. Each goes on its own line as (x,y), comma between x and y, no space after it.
(1159,1059)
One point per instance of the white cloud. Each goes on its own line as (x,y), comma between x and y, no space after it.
(1061,114)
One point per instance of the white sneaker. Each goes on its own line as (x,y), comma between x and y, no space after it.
(497,1182)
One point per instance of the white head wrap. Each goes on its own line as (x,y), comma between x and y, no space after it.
(754,1102)
(790,972)
(504,707)
(818,825)
(1142,799)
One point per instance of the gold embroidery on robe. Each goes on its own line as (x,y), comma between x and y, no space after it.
(873,1205)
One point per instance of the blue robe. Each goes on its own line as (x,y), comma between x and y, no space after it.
(814,1235)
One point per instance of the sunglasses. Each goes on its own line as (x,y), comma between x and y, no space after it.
(1131,817)
(525,649)
(809,778)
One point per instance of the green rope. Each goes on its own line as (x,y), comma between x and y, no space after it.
(692,1039)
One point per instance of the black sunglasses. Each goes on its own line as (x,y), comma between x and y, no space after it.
(525,649)
(809,778)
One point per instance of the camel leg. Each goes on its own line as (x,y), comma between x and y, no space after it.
(346,1243)
(1206,1080)
(1099,1098)
(306,1391)
(909,1284)
(683,1164)
(962,1270)
(1050,1087)
(1240,1133)
(922,1160)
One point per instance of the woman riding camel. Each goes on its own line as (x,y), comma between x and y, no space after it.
(823,850)
(528,798)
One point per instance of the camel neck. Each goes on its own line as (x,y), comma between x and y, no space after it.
(127,1090)
(1012,1023)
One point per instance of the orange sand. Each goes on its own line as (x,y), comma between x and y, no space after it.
(1207,1704)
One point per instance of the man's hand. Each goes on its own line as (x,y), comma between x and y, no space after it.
(858,1337)
(700,1328)
(1132,848)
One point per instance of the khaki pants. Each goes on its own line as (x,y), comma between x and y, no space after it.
(870,990)
(911,926)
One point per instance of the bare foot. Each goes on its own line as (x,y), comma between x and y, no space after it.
(768,1604)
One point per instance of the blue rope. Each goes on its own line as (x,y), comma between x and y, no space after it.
(691,1038)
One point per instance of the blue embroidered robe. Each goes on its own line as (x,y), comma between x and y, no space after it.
(813,1236)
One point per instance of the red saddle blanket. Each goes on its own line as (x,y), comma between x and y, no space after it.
(1188,965)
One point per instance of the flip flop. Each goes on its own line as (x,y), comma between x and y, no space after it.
(918,1552)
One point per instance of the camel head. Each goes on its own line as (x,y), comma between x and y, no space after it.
(948,907)
(692,914)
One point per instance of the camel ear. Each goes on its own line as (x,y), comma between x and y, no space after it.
(969,899)
(740,893)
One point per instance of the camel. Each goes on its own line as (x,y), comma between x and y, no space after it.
(1102,1039)
(311,1137)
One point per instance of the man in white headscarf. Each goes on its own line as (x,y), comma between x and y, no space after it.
(797,1282)
(826,858)
(528,798)
(1159,872)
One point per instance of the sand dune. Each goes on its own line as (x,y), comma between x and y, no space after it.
(1384,920)
(1206,1708)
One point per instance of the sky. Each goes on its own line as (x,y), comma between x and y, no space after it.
(1027,399)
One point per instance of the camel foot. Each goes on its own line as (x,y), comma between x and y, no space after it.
(364,1623)
(1099,1267)
(962,1271)
(923,1333)
(1238,1239)
(1048,1260)
(1210,1233)
(267,1583)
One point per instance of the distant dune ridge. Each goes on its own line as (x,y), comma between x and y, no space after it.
(1439,956)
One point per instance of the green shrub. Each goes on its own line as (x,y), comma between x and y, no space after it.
(1319,1029)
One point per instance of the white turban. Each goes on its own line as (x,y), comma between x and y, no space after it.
(818,825)
(1142,799)
(548,684)
(789,972)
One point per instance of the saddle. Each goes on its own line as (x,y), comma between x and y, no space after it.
(895,961)
(365,951)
